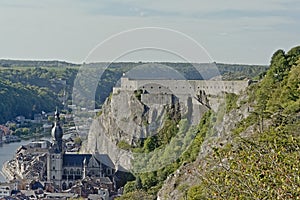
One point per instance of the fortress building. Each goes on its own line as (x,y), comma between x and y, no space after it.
(183,87)
(63,169)
(192,96)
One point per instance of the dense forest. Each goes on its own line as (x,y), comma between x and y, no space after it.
(30,87)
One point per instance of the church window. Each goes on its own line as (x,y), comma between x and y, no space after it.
(53,177)
(65,171)
(71,171)
(53,167)
(78,171)
(64,186)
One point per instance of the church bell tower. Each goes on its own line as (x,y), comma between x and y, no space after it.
(56,151)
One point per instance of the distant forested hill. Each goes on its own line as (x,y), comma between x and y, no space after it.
(29,87)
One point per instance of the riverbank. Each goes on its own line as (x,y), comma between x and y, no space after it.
(6,171)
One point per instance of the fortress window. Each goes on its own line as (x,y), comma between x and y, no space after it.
(151,87)
(159,87)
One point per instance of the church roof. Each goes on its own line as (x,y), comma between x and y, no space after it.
(76,160)
(105,159)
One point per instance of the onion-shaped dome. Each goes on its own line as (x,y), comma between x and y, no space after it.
(57,131)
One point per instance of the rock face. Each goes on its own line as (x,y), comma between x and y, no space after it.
(124,118)
(177,184)
(129,117)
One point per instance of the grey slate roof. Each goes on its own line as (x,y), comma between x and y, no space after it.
(76,160)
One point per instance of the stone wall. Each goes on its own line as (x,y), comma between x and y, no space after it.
(184,87)
(161,99)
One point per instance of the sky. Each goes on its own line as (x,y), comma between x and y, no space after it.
(231,31)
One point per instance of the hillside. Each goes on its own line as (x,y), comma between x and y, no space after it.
(248,149)
(254,154)
(26,80)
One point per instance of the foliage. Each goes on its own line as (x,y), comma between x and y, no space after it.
(152,181)
(265,164)
(124,145)
(17,99)
(231,101)
(137,195)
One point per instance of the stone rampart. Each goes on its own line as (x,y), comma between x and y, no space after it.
(184,87)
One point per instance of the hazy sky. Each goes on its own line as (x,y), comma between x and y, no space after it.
(232,31)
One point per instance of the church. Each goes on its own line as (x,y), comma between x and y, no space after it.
(64,169)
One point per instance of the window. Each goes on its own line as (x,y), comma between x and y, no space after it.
(71,171)
(53,177)
(53,167)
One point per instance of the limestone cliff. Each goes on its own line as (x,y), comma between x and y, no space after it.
(124,118)
(178,183)
(130,116)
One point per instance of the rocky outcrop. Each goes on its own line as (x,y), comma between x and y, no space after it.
(126,118)
(178,183)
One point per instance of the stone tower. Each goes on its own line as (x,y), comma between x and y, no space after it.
(55,156)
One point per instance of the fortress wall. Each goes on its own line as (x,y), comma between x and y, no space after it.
(155,89)
(127,84)
(183,87)
(176,87)
(217,87)
(161,99)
